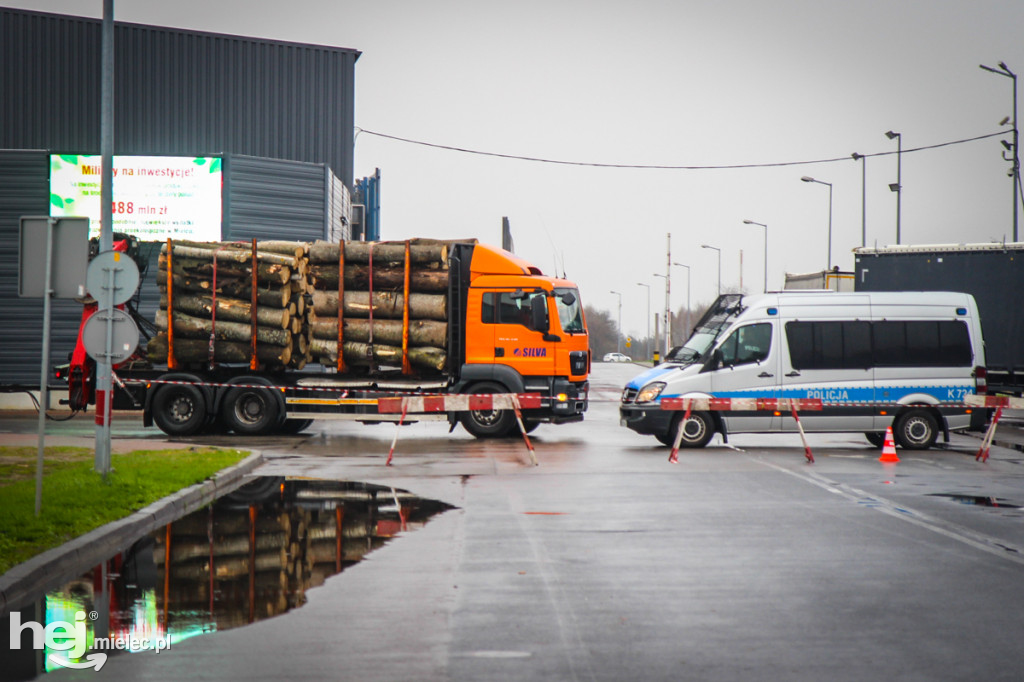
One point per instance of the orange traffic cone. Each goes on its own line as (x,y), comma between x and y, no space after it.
(889,448)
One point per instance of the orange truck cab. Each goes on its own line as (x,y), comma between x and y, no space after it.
(523,332)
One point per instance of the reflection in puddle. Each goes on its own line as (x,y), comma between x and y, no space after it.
(979,500)
(251,555)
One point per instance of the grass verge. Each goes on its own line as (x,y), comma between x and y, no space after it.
(76,499)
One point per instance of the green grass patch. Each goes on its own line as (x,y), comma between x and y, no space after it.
(76,499)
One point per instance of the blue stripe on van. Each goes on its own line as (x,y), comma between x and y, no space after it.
(859,394)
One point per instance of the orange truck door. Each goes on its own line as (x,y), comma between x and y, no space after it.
(516,344)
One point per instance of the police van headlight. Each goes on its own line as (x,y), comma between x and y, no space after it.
(650,392)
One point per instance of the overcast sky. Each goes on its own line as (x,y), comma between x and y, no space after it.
(674,83)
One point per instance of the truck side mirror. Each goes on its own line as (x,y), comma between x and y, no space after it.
(539,314)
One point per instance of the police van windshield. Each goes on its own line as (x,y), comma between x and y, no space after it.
(719,316)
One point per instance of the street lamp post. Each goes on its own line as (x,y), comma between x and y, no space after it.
(821,182)
(687,330)
(898,187)
(618,331)
(647,342)
(705,246)
(1004,70)
(754,222)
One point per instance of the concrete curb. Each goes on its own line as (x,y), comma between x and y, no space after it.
(51,568)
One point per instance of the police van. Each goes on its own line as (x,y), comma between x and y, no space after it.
(874,359)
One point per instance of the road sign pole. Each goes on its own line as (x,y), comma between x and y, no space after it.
(44,373)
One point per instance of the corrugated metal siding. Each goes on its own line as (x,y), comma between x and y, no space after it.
(176,92)
(24,190)
(273,199)
(339,211)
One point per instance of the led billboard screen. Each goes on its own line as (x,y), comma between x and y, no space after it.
(155,197)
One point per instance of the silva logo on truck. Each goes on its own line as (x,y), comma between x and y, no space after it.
(530,352)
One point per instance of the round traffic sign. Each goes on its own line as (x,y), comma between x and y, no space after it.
(112,278)
(124,336)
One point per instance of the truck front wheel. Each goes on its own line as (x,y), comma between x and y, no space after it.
(179,410)
(489,423)
(250,411)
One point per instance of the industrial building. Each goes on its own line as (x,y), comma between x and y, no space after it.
(272,120)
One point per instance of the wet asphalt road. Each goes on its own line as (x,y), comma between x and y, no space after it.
(607,563)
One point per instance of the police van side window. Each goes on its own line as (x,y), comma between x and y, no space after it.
(829,345)
(861,345)
(748,344)
(922,344)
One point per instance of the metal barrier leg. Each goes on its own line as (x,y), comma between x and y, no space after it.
(522,429)
(807,448)
(394,441)
(986,442)
(673,457)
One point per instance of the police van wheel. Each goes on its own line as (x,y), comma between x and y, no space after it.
(916,430)
(697,431)
(489,423)
(875,438)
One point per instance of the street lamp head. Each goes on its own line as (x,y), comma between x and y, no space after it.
(856,156)
(891,135)
(1006,119)
(808,178)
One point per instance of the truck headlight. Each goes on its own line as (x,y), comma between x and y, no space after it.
(650,392)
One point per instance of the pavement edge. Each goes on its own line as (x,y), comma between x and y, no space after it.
(28,579)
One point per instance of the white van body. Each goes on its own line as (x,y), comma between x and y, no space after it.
(875,359)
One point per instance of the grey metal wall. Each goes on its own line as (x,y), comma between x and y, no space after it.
(273,199)
(176,92)
(263,198)
(25,190)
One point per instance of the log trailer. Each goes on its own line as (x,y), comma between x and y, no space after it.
(505,328)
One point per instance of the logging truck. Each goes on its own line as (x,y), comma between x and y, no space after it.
(265,337)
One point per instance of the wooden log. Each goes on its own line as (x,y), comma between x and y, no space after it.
(228,252)
(229,523)
(421,332)
(296,249)
(357,277)
(229,309)
(269,273)
(193,548)
(383,252)
(233,287)
(196,350)
(356,354)
(190,327)
(386,304)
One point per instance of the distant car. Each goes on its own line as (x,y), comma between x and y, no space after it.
(616,357)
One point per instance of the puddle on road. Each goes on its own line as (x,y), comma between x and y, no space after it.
(978,500)
(251,555)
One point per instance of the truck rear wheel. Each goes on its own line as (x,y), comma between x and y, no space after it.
(179,410)
(250,411)
(489,423)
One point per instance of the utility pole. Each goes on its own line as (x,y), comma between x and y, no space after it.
(668,292)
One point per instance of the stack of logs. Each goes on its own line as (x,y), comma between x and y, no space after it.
(218,275)
(369,301)
(300,300)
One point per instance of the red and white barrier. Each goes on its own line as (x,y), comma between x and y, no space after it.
(999,402)
(742,404)
(428,404)
(778,405)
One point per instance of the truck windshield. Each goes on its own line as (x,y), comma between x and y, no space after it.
(570,311)
(721,313)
